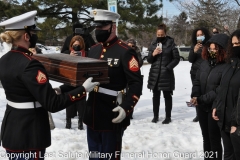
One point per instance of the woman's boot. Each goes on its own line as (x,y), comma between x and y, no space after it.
(168,110)
(68,123)
(156,104)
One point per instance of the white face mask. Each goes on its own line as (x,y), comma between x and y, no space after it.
(201,38)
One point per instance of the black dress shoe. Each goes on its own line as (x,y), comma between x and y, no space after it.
(196,119)
(167,120)
(155,120)
(80,125)
(68,123)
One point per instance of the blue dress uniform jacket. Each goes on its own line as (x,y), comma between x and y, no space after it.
(24,79)
(123,70)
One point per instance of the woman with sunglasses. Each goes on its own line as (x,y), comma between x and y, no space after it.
(207,80)
(227,105)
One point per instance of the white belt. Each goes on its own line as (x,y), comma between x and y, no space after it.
(23,105)
(106,91)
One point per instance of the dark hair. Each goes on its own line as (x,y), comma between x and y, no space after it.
(162,27)
(221,53)
(236,33)
(205,32)
(131,40)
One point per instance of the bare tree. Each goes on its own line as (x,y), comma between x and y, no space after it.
(207,13)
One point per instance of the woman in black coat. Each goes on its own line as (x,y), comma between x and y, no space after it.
(199,37)
(164,56)
(226,105)
(208,78)
(76,46)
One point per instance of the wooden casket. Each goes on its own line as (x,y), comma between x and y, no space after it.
(73,70)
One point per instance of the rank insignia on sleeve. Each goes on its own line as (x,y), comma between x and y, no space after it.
(41,77)
(133,64)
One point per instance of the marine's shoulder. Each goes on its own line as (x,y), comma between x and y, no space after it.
(17,54)
(123,45)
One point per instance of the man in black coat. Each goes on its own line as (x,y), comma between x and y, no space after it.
(107,113)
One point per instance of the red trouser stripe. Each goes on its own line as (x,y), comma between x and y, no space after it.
(37,155)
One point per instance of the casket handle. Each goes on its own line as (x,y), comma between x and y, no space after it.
(98,74)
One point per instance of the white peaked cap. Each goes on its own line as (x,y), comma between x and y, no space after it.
(23,21)
(101,15)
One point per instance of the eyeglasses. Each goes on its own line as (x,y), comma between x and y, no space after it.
(212,49)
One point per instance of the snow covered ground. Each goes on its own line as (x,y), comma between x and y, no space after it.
(143,140)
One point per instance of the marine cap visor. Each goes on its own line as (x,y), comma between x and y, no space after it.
(101,23)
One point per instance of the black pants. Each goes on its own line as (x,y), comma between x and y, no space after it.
(193,76)
(228,146)
(235,138)
(79,107)
(211,136)
(156,102)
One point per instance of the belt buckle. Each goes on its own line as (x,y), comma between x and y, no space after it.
(96,88)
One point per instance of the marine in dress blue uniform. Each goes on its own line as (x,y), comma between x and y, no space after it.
(25,126)
(107,114)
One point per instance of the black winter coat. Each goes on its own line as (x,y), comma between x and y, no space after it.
(195,59)
(227,98)
(205,84)
(161,72)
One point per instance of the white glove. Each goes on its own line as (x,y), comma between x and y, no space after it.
(121,115)
(89,85)
(58,91)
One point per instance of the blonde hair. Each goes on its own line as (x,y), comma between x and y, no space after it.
(11,36)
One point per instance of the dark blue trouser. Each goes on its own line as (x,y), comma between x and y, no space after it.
(107,143)
(26,155)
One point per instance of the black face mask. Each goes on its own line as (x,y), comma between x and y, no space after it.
(102,35)
(160,39)
(236,51)
(77,48)
(33,40)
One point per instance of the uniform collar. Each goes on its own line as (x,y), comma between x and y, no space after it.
(22,49)
(111,42)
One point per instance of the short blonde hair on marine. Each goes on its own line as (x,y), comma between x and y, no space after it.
(11,36)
